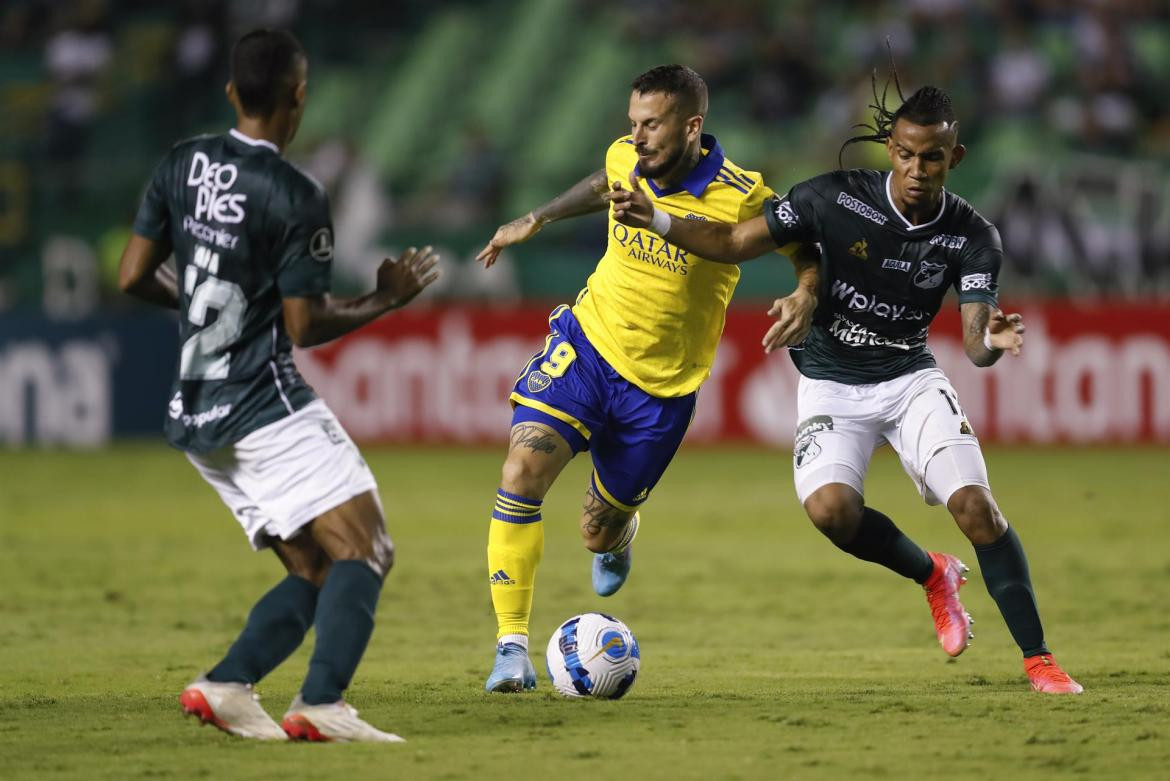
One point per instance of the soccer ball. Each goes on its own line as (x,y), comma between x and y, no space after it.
(593,655)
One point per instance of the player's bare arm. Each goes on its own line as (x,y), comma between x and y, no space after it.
(585,197)
(988,333)
(794,312)
(717,241)
(314,320)
(141,272)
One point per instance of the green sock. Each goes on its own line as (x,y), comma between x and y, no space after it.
(276,627)
(880,541)
(345,621)
(1005,571)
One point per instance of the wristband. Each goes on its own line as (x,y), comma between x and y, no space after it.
(660,222)
(987,341)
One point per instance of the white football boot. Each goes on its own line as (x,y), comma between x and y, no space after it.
(233,707)
(336,721)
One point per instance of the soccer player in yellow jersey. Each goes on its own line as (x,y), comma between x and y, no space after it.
(619,371)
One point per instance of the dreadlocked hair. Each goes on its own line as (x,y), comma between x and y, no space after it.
(927,106)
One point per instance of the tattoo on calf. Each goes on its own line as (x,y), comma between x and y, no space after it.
(600,514)
(536,439)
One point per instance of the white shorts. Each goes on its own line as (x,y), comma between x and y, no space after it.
(282,476)
(918,414)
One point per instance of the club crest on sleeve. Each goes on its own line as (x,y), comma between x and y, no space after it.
(538,381)
(321,245)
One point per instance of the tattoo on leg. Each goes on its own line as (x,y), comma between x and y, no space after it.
(600,514)
(536,439)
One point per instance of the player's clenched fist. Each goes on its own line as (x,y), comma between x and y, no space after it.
(630,207)
(403,279)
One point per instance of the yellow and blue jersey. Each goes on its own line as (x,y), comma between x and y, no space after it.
(652,310)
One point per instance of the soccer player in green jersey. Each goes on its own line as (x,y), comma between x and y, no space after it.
(892,243)
(253,246)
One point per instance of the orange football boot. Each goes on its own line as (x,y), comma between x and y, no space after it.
(1047,676)
(952,623)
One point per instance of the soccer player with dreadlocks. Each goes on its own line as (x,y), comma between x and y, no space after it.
(892,242)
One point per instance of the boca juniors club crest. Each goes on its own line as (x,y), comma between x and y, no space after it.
(930,275)
(538,381)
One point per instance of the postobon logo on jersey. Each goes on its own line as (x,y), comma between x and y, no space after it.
(212,201)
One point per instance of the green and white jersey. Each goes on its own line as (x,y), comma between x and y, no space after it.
(248,229)
(882,279)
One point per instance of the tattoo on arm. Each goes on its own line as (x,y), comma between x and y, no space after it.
(979,321)
(582,198)
(973,339)
(600,514)
(536,439)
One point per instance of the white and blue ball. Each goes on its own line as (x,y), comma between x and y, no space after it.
(593,655)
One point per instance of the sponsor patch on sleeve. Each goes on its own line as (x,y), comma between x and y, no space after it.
(981,281)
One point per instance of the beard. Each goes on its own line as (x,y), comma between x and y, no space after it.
(665,167)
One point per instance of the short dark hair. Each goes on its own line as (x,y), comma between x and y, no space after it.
(676,81)
(263,69)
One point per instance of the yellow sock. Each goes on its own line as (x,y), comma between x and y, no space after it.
(515,546)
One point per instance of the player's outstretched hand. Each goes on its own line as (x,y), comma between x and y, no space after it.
(1006,332)
(403,279)
(630,207)
(793,315)
(514,232)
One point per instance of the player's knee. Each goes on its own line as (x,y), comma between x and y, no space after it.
(381,558)
(977,515)
(524,476)
(835,515)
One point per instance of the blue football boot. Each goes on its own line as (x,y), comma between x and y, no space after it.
(610,570)
(513,671)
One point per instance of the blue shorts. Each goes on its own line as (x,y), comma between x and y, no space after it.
(631,434)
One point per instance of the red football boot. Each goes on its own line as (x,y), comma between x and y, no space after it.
(952,622)
(1047,677)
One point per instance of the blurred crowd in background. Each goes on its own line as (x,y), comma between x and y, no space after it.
(435,121)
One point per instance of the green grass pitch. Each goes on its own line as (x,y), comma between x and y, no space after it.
(766,652)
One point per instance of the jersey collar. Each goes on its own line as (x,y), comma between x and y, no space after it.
(942,206)
(253,141)
(700,176)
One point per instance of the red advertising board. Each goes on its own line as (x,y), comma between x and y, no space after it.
(1089,373)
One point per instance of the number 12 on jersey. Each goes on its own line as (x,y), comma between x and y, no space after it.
(202,356)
